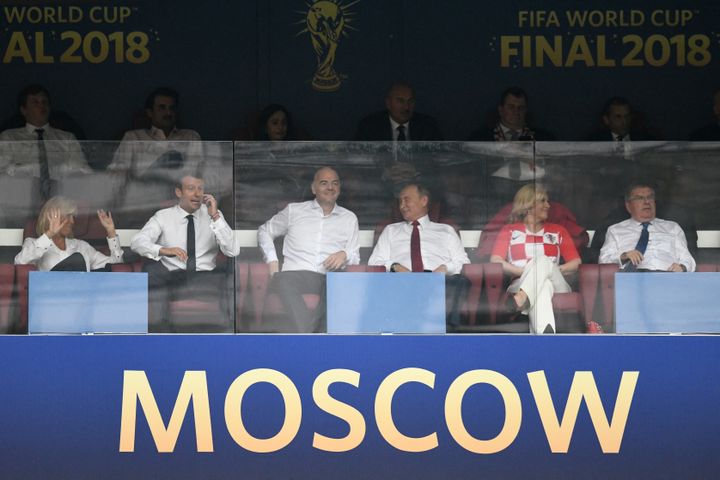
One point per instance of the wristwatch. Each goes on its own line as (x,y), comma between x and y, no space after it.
(392,267)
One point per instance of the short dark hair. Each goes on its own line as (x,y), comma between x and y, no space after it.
(638,184)
(396,84)
(161,92)
(180,176)
(32,89)
(515,92)
(421,188)
(615,101)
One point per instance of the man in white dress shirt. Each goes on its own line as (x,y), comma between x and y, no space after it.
(28,154)
(439,247)
(184,241)
(320,237)
(644,242)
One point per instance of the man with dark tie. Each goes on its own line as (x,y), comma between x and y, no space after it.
(184,241)
(419,245)
(29,154)
(617,118)
(644,242)
(399,122)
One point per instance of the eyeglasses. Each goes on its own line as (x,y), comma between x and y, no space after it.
(642,198)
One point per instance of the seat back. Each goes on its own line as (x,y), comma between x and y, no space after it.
(607,295)
(22,275)
(7,282)
(474,273)
(589,276)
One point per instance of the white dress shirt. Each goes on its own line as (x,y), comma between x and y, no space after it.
(666,244)
(19,153)
(439,245)
(168,229)
(394,125)
(310,236)
(139,149)
(43,252)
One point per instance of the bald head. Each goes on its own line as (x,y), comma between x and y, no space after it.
(326,187)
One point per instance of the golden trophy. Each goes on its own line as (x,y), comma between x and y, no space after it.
(325,22)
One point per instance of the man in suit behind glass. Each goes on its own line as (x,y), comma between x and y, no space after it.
(399,121)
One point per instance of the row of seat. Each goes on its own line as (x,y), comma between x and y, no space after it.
(591,302)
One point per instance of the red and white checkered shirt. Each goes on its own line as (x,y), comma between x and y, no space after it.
(517,245)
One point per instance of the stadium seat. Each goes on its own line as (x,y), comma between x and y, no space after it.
(7,282)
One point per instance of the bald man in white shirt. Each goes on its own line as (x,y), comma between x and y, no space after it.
(320,237)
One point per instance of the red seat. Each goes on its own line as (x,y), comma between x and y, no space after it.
(607,294)
(474,273)
(570,304)
(706,267)
(22,274)
(7,282)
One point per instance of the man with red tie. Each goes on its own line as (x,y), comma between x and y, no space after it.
(419,245)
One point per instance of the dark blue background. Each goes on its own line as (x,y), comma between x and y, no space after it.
(228,59)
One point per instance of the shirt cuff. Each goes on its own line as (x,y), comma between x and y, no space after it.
(43,241)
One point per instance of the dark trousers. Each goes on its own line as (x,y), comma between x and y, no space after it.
(164,286)
(298,318)
(456,290)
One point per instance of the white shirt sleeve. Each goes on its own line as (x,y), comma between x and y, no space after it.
(275,227)
(225,237)
(381,252)
(33,250)
(352,249)
(457,253)
(609,253)
(145,241)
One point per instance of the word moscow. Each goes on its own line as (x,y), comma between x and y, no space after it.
(136,388)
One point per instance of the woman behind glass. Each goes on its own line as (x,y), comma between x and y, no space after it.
(55,249)
(530,251)
(274,123)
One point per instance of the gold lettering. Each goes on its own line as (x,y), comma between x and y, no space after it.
(583,386)
(343,411)
(193,387)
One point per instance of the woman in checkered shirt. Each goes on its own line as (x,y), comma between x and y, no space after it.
(531,251)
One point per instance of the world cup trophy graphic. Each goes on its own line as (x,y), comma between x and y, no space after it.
(326,21)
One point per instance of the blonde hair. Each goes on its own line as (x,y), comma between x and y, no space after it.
(525,199)
(63,205)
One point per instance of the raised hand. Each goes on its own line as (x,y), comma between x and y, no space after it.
(56,222)
(106,221)
(211,203)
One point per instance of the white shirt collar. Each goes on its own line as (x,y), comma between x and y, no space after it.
(395,125)
(159,134)
(423,221)
(31,128)
(316,205)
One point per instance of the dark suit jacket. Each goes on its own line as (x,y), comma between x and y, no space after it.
(606,136)
(709,133)
(377,127)
(485,134)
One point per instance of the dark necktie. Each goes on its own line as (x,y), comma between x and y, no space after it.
(643,240)
(401,133)
(191,261)
(415,254)
(44,167)
(514,135)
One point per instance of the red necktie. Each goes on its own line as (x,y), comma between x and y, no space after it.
(415,255)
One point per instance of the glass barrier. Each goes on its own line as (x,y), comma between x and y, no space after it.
(470,187)
(43,183)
